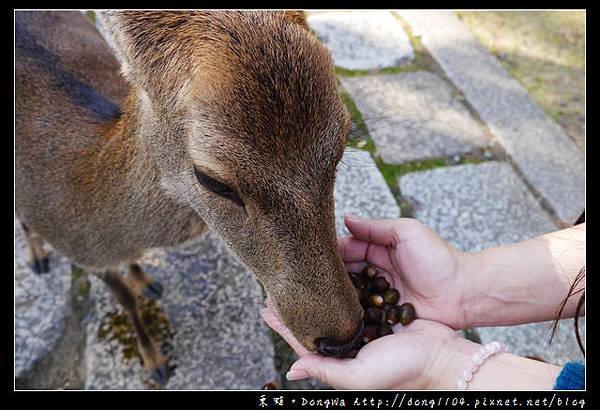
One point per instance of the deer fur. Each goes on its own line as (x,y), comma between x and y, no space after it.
(106,147)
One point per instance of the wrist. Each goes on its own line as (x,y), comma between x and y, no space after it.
(502,371)
(447,366)
(473,303)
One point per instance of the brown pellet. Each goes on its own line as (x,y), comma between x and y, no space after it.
(369,273)
(379,285)
(407,313)
(391,296)
(392,316)
(364,296)
(379,301)
(376,300)
(384,330)
(357,280)
(269,386)
(373,315)
(370,333)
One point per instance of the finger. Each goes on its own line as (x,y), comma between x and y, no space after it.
(352,249)
(376,256)
(356,267)
(271,319)
(378,231)
(338,373)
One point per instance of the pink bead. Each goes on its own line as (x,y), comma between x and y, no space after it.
(477,360)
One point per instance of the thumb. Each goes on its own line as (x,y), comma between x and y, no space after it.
(378,231)
(338,373)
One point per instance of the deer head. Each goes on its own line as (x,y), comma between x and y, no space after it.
(241,113)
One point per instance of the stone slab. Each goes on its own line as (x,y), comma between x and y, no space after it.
(363,40)
(361,189)
(475,206)
(213,305)
(42,304)
(533,340)
(550,161)
(414,116)
(480,206)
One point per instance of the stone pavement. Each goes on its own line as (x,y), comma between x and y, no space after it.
(481,206)
(212,304)
(363,40)
(41,306)
(475,206)
(414,116)
(410,116)
(361,189)
(542,150)
(206,292)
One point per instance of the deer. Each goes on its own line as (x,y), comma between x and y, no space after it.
(184,122)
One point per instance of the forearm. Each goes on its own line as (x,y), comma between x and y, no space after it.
(502,371)
(524,282)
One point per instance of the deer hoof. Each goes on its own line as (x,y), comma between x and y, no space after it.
(40,266)
(161,375)
(153,290)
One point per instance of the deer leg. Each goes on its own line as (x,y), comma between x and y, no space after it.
(37,258)
(143,284)
(153,359)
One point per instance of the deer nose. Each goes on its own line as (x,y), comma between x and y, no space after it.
(331,348)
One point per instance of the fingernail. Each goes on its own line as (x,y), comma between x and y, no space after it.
(352,216)
(296,375)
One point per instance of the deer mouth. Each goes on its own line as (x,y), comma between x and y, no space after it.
(328,347)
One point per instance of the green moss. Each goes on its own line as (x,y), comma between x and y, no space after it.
(351,73)
(362,143)
(395,70)
(117,326)
(387,70)
(91,14)
(422,59)
(545,52)
(355,115)
(392,172)
(76,273)
(360,138)
(79,281)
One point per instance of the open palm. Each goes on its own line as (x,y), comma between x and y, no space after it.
(402,360)
(415,260)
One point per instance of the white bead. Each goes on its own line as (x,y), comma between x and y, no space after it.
(479,359)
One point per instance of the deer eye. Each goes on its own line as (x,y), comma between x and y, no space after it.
(218,187)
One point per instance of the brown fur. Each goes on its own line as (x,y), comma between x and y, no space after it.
(250,98)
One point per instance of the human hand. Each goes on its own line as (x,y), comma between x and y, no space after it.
(414,357)
(428,272)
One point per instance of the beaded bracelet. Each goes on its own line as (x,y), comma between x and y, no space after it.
(477,360)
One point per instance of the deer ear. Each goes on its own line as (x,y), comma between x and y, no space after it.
(149,47)
(295,16)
